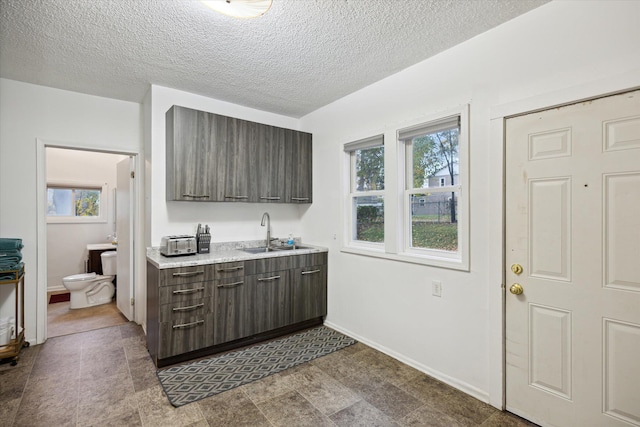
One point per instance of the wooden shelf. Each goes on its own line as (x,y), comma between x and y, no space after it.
(17,341)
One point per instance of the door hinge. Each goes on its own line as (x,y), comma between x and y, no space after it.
(133,301)
(133,174)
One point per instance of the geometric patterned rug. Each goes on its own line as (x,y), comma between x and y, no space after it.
(196,380)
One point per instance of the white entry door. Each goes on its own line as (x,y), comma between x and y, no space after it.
(573,227)
(124,229)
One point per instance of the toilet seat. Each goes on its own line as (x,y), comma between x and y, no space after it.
(80,277)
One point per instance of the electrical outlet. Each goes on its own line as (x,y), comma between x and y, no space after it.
(436,288)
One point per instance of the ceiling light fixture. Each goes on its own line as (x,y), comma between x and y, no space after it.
(239,8)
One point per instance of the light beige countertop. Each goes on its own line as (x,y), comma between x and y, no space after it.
(225,252)
(101,246)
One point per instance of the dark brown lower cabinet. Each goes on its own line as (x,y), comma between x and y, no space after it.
(309,286)
(252,300)
(273,296)
(235,305)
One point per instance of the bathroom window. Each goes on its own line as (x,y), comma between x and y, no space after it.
(75,203)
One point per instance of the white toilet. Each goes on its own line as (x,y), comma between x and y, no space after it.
(91,289)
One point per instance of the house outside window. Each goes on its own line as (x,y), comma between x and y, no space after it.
(423,202)
(431,222)
(366,192)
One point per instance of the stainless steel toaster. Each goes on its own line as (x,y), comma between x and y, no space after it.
(178,245)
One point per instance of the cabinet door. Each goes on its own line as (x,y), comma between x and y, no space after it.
(309,286)
(234,312)
(241,159)
(195,154)
(299,167)
(271,164)
(272,300)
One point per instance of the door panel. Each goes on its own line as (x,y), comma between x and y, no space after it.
(622,347)
(573,224)
(622,213)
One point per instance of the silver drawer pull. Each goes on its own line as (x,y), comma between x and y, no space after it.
(186,325)
(191,307)
(264,279)
(270,198)
(231,285)
(300,199)
(188,274)
(236,197)
(311,272)
(188,291)
(225,270)
(196,196)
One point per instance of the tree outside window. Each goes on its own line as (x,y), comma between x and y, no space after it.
(73,202)
(432,154)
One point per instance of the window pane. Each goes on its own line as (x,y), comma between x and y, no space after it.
(369,218)
(434,221)
(434,158)
(369,173)
(59,202)
(87,202)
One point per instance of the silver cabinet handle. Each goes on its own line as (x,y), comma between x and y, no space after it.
(191,307)
(231,285)
(196,196)
(311,272)
(265,279)
(270,198)
(236,197)
(188,291)
(225,270)
(300,199)
(188,273)
(186,325)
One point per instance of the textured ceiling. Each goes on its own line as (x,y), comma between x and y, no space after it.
(301,55)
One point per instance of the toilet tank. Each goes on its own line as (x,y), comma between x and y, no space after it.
(109,262)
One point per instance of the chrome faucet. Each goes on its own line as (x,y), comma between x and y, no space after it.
(266,215)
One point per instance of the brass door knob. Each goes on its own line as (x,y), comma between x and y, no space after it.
(516,289)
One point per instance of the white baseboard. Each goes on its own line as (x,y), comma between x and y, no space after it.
(59,288)
(453,382)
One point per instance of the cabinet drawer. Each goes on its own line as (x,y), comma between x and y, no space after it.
(186,335)
(228,269)
(185,310)
(187,292)
(317,258)
(264,265)
(196,273)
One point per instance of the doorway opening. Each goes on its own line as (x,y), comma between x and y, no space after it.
(87,219)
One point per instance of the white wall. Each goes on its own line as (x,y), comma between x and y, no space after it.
(28,112)
(67,242)
(228,221)
(553,49)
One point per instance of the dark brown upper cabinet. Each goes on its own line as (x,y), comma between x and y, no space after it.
(214,158)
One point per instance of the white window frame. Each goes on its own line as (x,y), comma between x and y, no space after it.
(102,218)
(458,260)
(351,193)
(396,212)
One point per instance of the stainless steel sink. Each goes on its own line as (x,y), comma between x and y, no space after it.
(256,250)
(273,249)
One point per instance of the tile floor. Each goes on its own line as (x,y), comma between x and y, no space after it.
(61,320)
(105,377)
